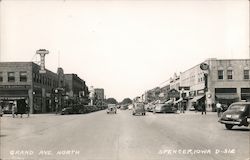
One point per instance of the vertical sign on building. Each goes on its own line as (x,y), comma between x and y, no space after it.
(42,53)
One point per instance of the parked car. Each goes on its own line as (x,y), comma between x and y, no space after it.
(111,108)
(164,108)
(1,111)
(238,114)
(67,110)
(124,107)
(149,107)
(138,108)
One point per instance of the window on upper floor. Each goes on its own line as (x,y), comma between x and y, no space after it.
(23,76)
(230,74)
(246,74)
(11,76)
(220,74)
(1,76)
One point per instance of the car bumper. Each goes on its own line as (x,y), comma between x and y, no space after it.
(230,122)
(111,112)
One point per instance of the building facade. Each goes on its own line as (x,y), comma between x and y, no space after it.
(21,81)
(225,80)
(99,95)
(76,88)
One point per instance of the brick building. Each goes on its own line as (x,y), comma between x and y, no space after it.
(76,88)
(21,81)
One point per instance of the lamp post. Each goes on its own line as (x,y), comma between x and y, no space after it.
(205,68)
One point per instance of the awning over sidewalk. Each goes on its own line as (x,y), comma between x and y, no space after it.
(169,101)
(195,99)
(178,101)
(227,96)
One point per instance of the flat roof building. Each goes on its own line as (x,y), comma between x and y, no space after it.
(21,81)
(224,80)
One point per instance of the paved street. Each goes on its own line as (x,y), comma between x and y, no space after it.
(121,136)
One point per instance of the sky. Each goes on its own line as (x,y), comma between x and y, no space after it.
(125,47)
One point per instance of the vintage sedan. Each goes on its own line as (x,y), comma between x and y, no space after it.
(111,108)
(237,114)
(138,108)
(164,108)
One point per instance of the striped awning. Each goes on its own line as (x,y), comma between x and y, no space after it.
(195,99)
(227,96)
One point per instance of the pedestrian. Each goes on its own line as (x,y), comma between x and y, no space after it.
(28,110)
(181,107)
(14,110)
(218,109)
(203,108)
(21,107)
(195,106)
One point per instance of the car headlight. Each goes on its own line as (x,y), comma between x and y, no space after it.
(235,116)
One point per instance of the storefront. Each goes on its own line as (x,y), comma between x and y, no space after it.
(245,94)
(226,96)
(13,95)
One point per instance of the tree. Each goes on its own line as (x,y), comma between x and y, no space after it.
(126,101)
(111,101)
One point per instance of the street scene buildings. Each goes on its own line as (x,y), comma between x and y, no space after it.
(43,93)
(223,80)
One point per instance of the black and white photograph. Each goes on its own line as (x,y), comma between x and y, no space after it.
(124,79)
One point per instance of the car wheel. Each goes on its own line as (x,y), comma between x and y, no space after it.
(229,126)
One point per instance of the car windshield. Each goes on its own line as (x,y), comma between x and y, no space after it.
(111,106)
(237,107)
(139,106)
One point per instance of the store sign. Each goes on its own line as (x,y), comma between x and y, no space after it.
(200,92)
(12,98)
(204,66)
(14,86)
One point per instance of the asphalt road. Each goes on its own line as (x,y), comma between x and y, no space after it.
(121,136)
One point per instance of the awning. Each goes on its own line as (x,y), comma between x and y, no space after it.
(169,101)
(178,101)
(196,98)
(227,96)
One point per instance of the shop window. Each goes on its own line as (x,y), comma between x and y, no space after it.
(245,93)
(246,74)
(23,76)
(229,74)
(1,76)
(11,76)
(220,74)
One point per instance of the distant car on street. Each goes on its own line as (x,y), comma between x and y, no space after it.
(111,108)
(124,107)
(237,114)
(138,108)
(164,108)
